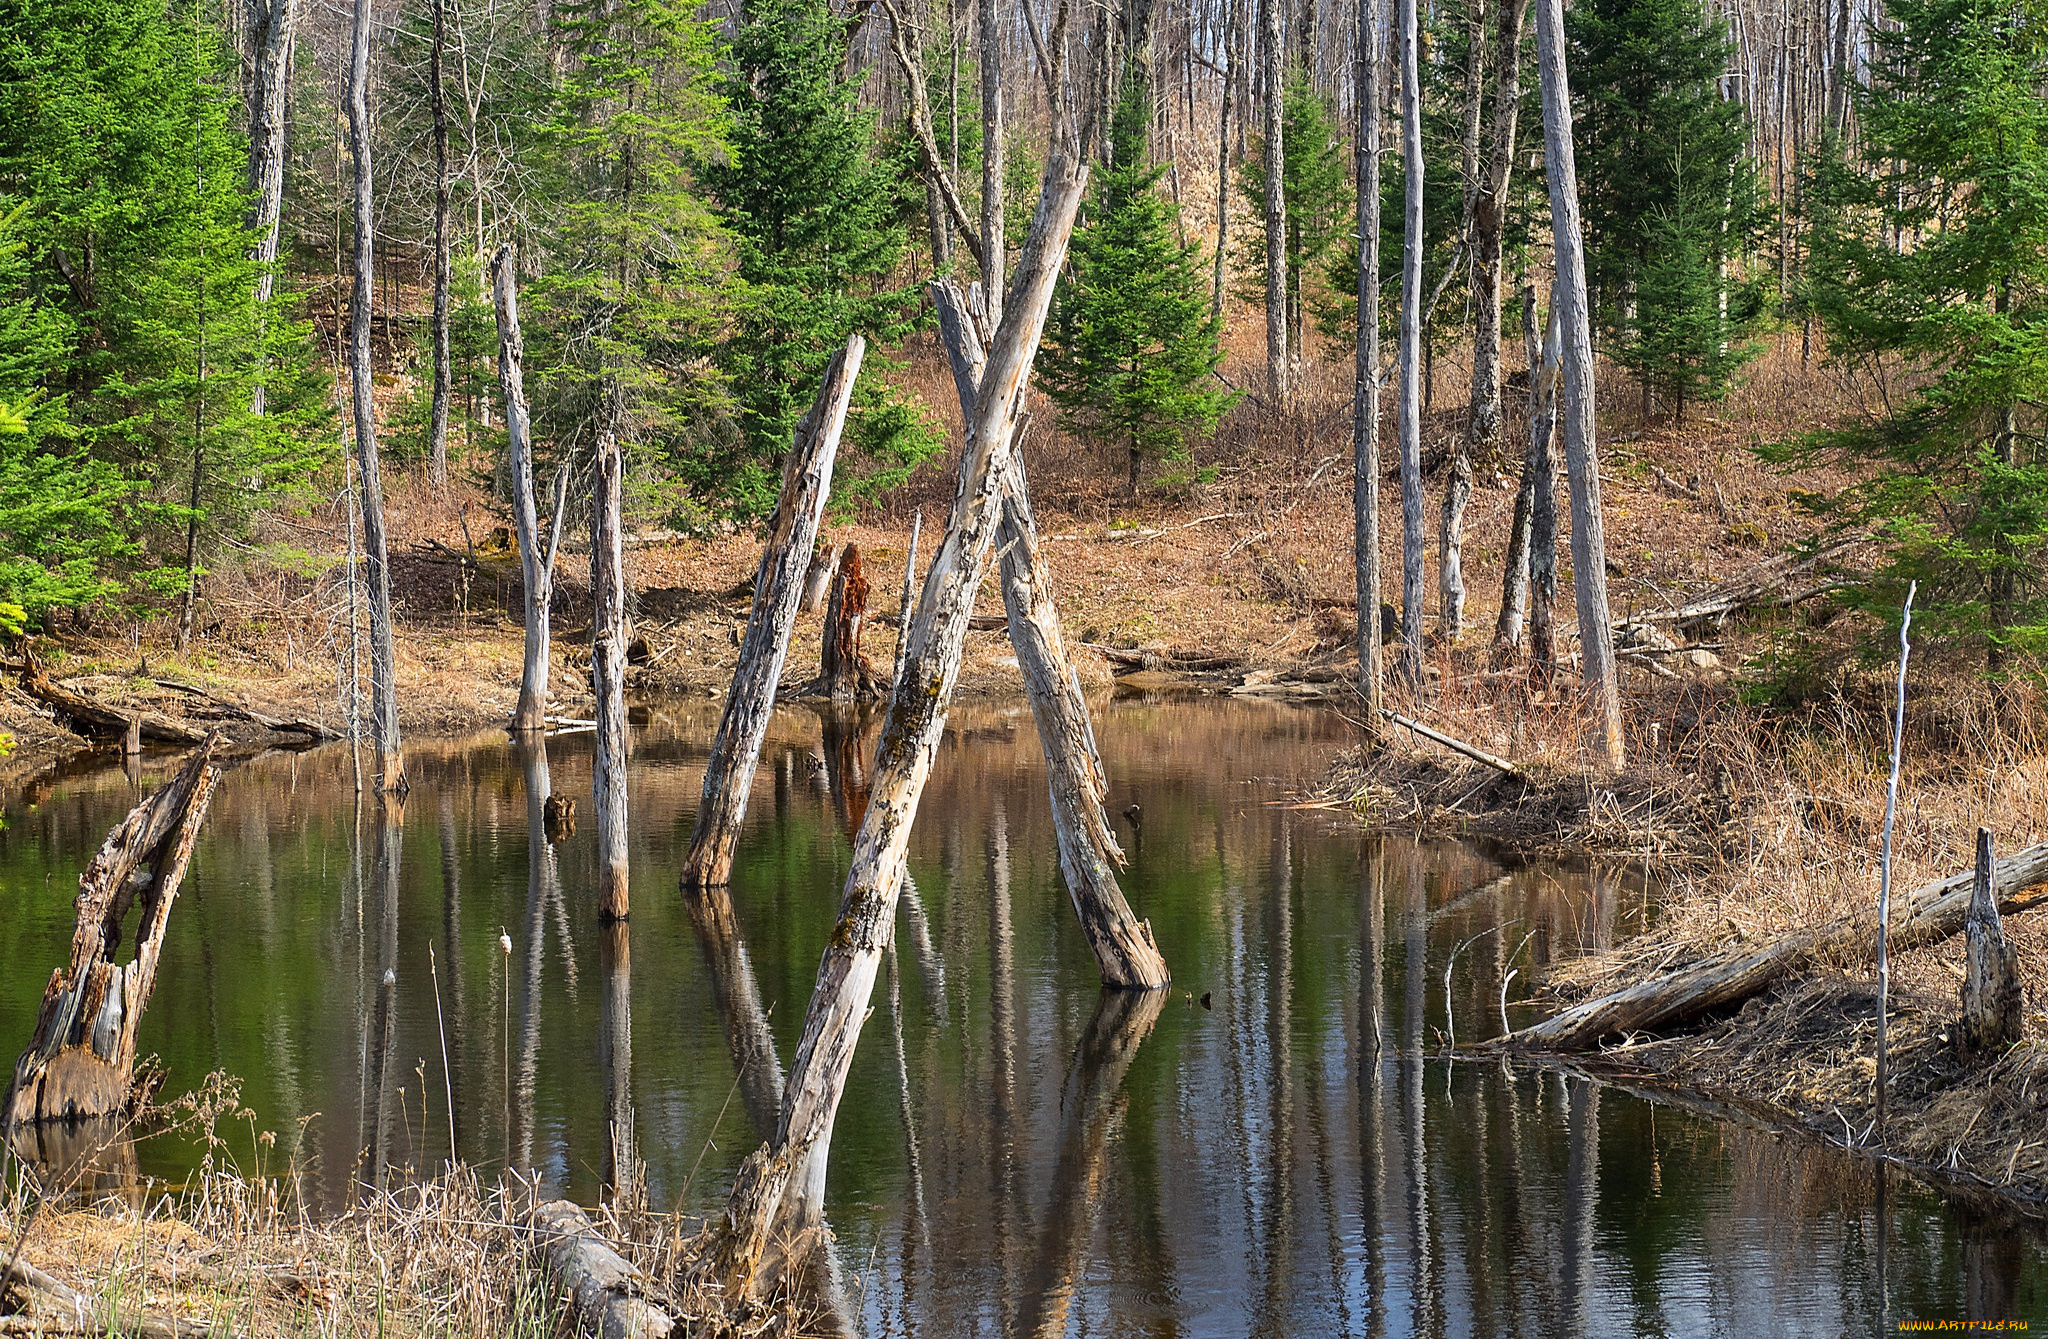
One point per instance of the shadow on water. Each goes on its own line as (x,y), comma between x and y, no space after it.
(1278,1145)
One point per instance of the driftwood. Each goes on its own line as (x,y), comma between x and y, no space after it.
(1775,584)
(779,586)
(1731,976)
(1992,999)
(92,717)
(81,1061)
(603,1288)
(1089,855)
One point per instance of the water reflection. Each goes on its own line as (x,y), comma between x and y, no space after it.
(1277,1145)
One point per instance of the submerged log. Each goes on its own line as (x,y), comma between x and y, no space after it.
(736,749)
(1089,855)
(605,1292)
(1991,983)
(1931,914)
(81,1061)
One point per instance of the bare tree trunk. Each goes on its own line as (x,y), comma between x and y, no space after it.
(994,247)
(1489,223)
(1450,572)
(1992,997)
(537,572)
(437,426)
(1838,87)
(1365,383)
(844,674)
(1581,456)
(846,975)
(383,689)
(1413,537)
(276,22)
(608,671)
(1089,855)
(919,102)
(778,588)
(1532,535)
(1227,76)
(1278,381)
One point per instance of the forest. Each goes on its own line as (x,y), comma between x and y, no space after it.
(1445,570)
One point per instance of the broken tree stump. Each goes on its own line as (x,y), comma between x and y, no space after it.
(1991,983)
(792,533)
(80,1064)
(844,674)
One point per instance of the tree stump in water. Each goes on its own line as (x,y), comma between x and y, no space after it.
(80,1063)
(844,674)
(1991,984)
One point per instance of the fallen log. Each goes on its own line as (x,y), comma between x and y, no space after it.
(80,1062)
(284,725)
(605,1291)
(78,1314)
(1768,585)
(94,718)
(1931,914)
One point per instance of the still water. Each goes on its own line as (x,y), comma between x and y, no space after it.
(1276,1147)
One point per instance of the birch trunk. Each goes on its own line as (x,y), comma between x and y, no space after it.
(910,738)
(437,425)
(1489,224)
(537,574)
(1089,855)
(383,689)
(275,21)
(1365,382)
(1413,537)
(608,672)
(1450,572)
(994,247)
(1227,76)
(1278,367)
(1575,341)
(1530,583)
(778,588)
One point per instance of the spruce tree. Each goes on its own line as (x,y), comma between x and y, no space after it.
(1929,265)
(814,211)
(1318,193)
(1130,346)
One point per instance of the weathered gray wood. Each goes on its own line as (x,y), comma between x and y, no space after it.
(89,716)
(1457,746)
(1089,855)
(1992,997)
(1272,57)
(606,1294)
(910,739)
(1413,537)
(536,573)
(437,98)
(81,1058)
(272,41)
(608,674)
(1529,584)
(818,580)
(1773,584)
(1365,379)
(994,247)
(1931,913)
(778,587)
(904,607)
(383,684)
(1598,677)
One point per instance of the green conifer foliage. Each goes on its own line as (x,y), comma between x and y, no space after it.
(1930,262)
(815,214)
(1315,174)
(1130,346)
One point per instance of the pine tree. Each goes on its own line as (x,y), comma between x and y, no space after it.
(1130,345)
(1928,262)
(815,213)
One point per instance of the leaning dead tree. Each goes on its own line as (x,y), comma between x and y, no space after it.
(910,740)
(778,588)
(608,673)
(537,573)
(1089,854)
(80,1064)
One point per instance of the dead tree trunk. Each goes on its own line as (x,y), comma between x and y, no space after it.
(1992,998)
(844,674)
(437,425)
(1450,572)
(1529,582)
(1597,672)
(1489,225)
(275,24)
(818,580)
(80,1062)
(537,573)
(792,534)
(1227,76)
(1413,535)
(993,245)
(910,738)
(1089,854)
(608,674)
(1365,383)
(383,689)
(1279,379)
(918,102)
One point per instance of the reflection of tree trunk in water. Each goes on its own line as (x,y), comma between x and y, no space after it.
(451,933)
(738,995)
(1606,890)
(1372,987)
(1515,1224)
(541,878)
(1006,1186)
(1991,1263)
(615,1058)
(390,846)
(1088,1107)
(845,769)
(1582,1196)
(1414,1008)
(1276,1232)
(919,1217)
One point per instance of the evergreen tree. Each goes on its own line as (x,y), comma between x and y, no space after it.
(1130,347)
(1930,261)
(1665,178)
(1315,174)
(815,214)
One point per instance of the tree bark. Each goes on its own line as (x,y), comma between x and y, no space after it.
(778,587)
(1365,380)
(437,425)
(1279,379)
(1413,536)
(1530,580)
(80,1062)
(275,21)
(537,572)
(1123,946)
(994,247)
(910,738)
(844,674)
(918,100)
(608,673)
(1992,998)
(1227,76)
(383,688)
(1450,573)
(1582,463)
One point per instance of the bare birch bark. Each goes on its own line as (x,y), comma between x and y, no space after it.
(537,572)
(1089,855)
(1589,543)
(1365,381)
(276,21)
(994,247)
(383,689)
(1413,537)
(846,975)
(1279,378)
(1530,582)
(1227,76)
(608,671)
(437,425)
(778,587)
(1450,572)
(1489,224)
